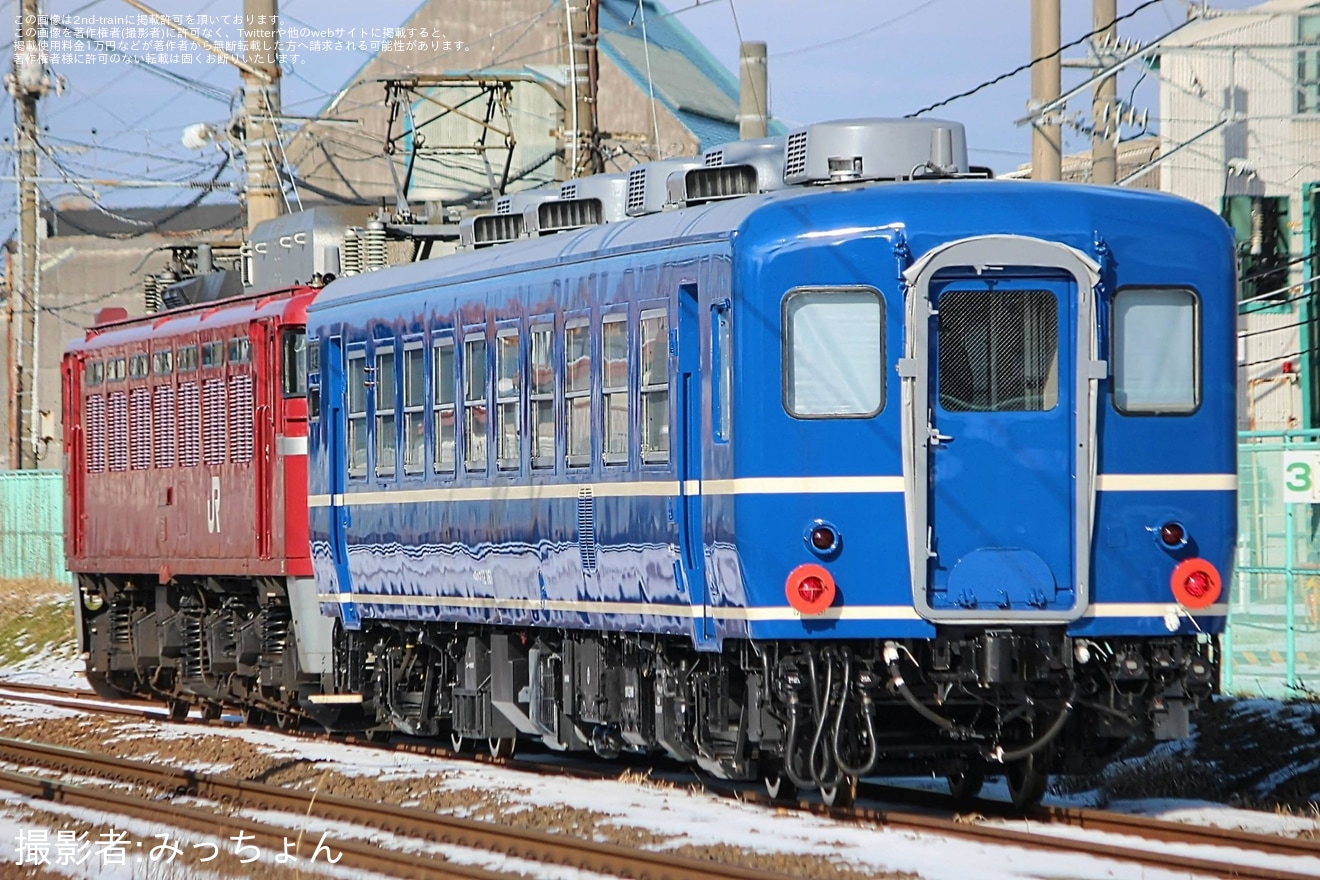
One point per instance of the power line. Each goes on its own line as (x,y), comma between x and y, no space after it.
(835,41)
(1032,63)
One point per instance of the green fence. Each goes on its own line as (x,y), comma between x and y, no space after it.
(1273,642)
(32,525)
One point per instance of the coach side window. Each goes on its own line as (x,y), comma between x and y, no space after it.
(577,391)
(442,395)
(1156,351)
(385,392)
(655,386)
(833,353)
(357,415)
(508,399)
(614,387)
(414,409)
(542,388)
(474,403)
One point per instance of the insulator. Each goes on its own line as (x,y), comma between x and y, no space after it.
(351,260)
(376,256)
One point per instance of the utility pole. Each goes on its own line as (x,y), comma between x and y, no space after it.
(27,84)
(261,105)
(753,91)
(1104,150)
(1046,83)
(581,134)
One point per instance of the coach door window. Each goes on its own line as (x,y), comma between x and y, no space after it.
(357,415)
(834,353)
(414,408)
(577,391)
(1156,351)
(722,370)
(998,351)
(443,395)
(542,387)
(474,403)
(614,387)
(508,398)
(655,386)
(385,392)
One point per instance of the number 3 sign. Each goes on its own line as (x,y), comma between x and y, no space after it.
(1301,477)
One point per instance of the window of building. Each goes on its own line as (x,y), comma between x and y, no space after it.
(213,354)
(215,421)
(834,353)
(293,363)
(542,392)
(508,399)
(187,359)
(162,362)
(722,370)
(94,423)
(614,387)
(357,415)
(577,391)
(474,403)
(442,396)
(94,373)
(190,425)
(115,370)
(414,409)
(240,350)
(240,419)
(654,343)
(1156,351)
(386,444)
(998,351)
(163,407)
(138,367)
(1308,64)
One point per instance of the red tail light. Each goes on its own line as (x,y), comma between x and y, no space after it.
(1195,583)
(810,589)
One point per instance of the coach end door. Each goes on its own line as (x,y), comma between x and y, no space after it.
(1000,417)
(335,395)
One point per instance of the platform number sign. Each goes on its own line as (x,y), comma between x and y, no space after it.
(1301,477)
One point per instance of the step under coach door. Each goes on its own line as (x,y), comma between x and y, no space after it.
(1000,378)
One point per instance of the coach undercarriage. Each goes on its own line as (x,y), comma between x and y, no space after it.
(804,715)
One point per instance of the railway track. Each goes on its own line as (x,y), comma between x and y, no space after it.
(1240,848)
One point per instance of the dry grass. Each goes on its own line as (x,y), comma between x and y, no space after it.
(39,619)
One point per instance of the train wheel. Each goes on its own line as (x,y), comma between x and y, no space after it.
(780,787)
(101,686)
(965,783)
(842,794)
(1027,780)
(502,747)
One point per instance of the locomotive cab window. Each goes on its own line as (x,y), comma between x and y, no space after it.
(293,363)
(834,353)
(1156,351)
(998,351)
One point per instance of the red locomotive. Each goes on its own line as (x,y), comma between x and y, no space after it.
(185,439)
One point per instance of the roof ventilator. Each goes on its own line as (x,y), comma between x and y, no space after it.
(852,150)
(648,185)
(584,201)
(736,169)
(488,229)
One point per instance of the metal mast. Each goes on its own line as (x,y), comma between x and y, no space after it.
(27,84)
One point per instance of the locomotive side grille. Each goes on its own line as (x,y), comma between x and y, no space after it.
(587,529)
(95,427)
(795,154)
(140,410)
(190,426)
(213,421)
(164,418)
(117,442)
(998,351)
(636,191)
(240,419)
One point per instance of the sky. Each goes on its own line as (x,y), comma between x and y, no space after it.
(828,59)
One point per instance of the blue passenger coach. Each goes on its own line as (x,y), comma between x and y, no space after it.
(845,462)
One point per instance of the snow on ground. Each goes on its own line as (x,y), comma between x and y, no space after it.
(679,815)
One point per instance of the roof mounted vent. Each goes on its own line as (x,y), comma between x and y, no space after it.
(583,201)
(517,203)
(485,230)
(738,169)
(875,149)
(648,185)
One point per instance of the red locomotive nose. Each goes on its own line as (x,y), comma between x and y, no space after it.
(1195,583)
(810,589)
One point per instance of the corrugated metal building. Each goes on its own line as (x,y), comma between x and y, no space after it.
(1240,131)
(32,525)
